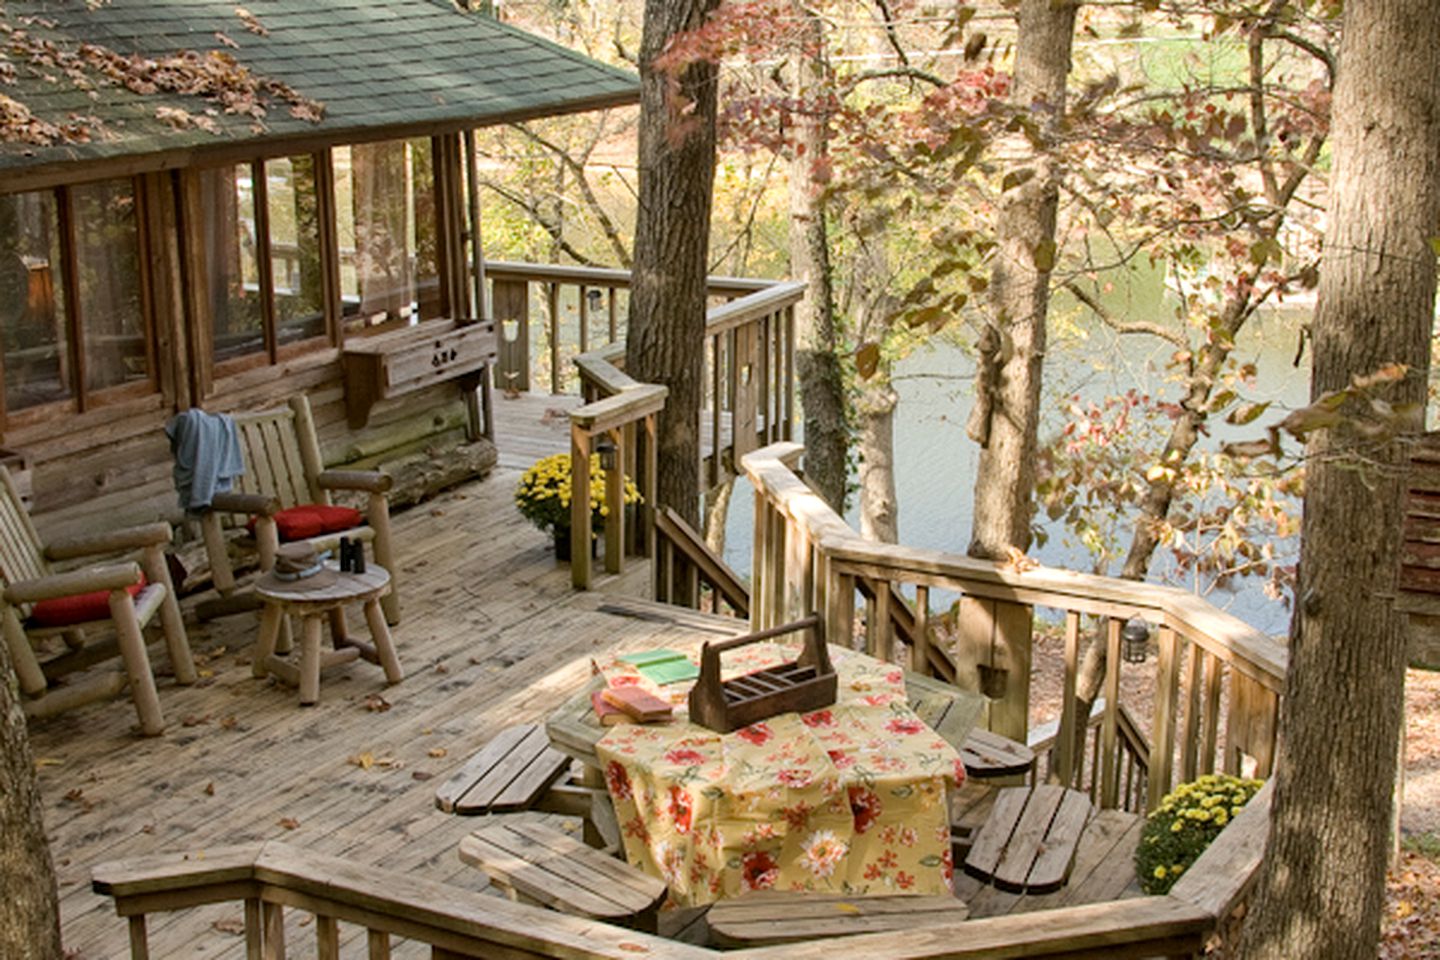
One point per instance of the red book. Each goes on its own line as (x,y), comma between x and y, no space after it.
(607,713)
(639,705)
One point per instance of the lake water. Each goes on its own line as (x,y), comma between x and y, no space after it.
(935,461)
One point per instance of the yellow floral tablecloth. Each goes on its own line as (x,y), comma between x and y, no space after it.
(849,799)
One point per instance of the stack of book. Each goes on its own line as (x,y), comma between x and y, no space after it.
(629,705)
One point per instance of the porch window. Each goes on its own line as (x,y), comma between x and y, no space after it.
(263,271)
(385,213)
(72,297)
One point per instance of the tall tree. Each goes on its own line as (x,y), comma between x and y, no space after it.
(1321,889)
(666,337)
(822,391)
(29,911)
(1013,352)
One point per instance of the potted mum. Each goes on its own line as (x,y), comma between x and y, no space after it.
(543,496)
(1187,820)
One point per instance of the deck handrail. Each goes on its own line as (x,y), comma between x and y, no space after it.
(269,877)
(807,559)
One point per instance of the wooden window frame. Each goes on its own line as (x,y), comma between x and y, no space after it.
(273,352)
(83,399)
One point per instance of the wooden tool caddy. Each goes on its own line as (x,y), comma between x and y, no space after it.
(805,684)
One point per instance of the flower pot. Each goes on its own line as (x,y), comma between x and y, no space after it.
(562,544)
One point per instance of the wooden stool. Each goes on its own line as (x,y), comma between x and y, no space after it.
(510,773)
(1027,844)
(988,756)
(765,917)
(539,864)
(313,606)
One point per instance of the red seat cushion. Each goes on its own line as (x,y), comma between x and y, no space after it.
(81,608)
(312,519)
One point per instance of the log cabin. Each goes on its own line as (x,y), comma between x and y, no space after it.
(204,205)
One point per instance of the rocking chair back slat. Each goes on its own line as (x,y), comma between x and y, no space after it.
(21,557)
(273,462)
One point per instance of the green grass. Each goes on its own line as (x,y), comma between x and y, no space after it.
(1426,845)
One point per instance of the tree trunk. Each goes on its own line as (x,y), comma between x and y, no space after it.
(1020,291)
(666,337)
(29,910)
(717,514)
(1321,890)
(879,507)
(822,391)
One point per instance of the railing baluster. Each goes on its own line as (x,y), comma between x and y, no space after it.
(327,937)
(1069,714)
(1109,781)
(139,942)
(1214,676)
(762,374)
(612,314)
(254,931)
(273,919)
(1167,698)
(920,658)
(584,303)
(789,391)
(379,944)
(716,406)
(1192,730)
(883,645)
(552,308)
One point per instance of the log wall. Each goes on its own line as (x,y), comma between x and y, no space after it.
(112,466)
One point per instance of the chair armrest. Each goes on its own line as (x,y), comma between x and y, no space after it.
(257,503)
(115,576)
(110,541)
(371,481)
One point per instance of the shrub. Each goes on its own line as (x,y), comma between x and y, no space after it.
(1185,823)
(543,494)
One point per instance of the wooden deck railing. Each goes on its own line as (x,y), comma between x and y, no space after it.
(807,559)
(380,905)
(750,403)
(749,397)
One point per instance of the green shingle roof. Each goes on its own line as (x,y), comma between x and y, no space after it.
(405,66)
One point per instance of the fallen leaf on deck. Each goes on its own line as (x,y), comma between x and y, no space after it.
(634,947)
(210,789)
(77,796)
(47,762)
(362,760)
(148,828)
(231,925)
(205,674)
(420,775)
(194,721)
(427,731)
(437,513)
(228,723)
(289,823)
(376,703)
(441,668)
(847,908)
(438,752)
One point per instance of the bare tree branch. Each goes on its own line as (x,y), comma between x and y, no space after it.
(1124,326)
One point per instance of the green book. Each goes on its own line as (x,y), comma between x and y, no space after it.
(662,666)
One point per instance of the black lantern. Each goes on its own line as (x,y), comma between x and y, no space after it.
(605,448)
(595,297)
(1134,640)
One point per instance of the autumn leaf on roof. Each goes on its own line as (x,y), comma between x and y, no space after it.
(213,76)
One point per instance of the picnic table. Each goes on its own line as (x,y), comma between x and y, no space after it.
(851,798)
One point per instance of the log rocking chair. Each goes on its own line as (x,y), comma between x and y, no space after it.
(285,491)
(38,604)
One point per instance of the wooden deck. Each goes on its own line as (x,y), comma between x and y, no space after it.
(492,635)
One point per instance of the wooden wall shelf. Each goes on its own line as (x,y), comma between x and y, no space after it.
(403,361)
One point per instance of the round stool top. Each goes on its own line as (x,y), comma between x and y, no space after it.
(346,587)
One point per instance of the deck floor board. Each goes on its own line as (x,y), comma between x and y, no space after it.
(492,634)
